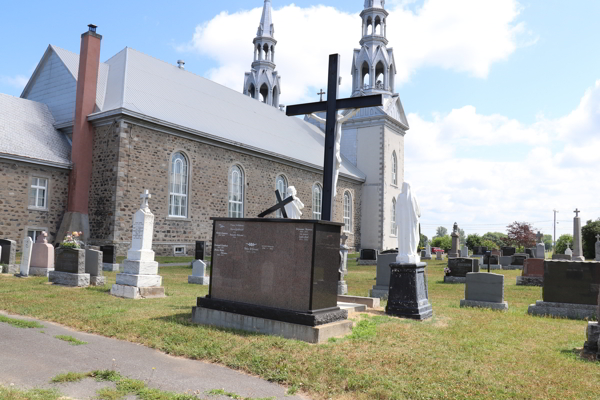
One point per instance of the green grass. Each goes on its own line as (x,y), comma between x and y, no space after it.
(35,394)
(460,354)
(221,392)
(19,323)
(70,339)
(69,377)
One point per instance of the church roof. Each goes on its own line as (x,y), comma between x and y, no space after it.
(27,133)
(153,90)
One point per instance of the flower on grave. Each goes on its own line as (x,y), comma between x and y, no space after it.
(447,271)
(71,241)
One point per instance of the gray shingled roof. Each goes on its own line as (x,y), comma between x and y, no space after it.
(27,132)
(163,93)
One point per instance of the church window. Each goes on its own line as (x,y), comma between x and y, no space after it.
(347,212)
(236,192)
(178,186)
(281,185)
(365,75)
(369,26)
(317,201)
(394,229)
(264,93)
(275,97)
(394,169)
(380,75)
(34,233)
(252,91)
(377,28)
(38,193)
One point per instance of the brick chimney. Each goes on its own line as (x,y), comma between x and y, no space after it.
(76,218)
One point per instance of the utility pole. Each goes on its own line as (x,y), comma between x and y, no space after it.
(555,211)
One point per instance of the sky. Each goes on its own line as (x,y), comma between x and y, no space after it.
(502,96)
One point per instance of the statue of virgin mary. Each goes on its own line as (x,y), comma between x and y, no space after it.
(407,220)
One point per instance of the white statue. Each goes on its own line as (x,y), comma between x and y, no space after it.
(294,208)
(338,142)
(407,215)
(569,252)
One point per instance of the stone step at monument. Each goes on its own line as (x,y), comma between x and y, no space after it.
(352,307)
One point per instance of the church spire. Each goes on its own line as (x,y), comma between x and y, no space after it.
(263,82)
(373,67)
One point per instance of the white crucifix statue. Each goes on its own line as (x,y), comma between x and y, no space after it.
(294,209)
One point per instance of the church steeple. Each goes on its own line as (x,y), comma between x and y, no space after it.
(263,82)
(373,66)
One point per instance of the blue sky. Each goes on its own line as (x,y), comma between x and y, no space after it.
(495,88)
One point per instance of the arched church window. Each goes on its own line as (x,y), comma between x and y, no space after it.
(252,91)
(236,192)
(275,97)
(347,212)
(394,169)
(365,75)
(267,53)
(377,26)
(264,93)
(380,75)
(394,229)
(369,26)
(281,184)
(178,186)
(317,201)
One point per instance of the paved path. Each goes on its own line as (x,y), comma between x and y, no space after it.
(30,358)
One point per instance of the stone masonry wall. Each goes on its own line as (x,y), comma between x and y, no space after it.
(144,157)
(17,218)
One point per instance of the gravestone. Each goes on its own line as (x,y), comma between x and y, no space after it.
(94,266)
(200,246)
(464,252)
(496,253)
(540,251)
(109,258)
(592,345)
(440,256)
(368,257)
(480,250)
(69,268)
(597,247)
(140,279)
(517,261)
(427,255)
(42,256)
(508,251)
(491,259)
(8,256)
(533,273)
(423,253)
(382,283)
(505,261)
(570,290)
(458,268)
(484,290)
(564,257)
(409,294)
(26,257)
(577,240)
(530,253)
(198,276)
(455,242)
(343,271)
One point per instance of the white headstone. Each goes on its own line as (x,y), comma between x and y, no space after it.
(294,208)
(198,271)
(409,213)
(540,250)
(26,257)
(143,229)
(569,252)
(464,252)
(428,251)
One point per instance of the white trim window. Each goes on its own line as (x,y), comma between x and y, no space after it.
(34,233)
(347,212)
(236,192)
(281,184)
(394,227)
(38,193)
(394,169)
(317,201)
(178,186)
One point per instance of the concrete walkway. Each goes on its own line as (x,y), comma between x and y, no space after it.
(30,358)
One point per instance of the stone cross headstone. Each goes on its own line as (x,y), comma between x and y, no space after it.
(577,242)
(342,285)
(569,252)
(598,253)
(42,256)
(539,237)
(26,257)
(198,274)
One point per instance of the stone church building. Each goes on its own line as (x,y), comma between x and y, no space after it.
(86,138)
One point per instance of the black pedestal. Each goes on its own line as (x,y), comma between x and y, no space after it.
(409,296)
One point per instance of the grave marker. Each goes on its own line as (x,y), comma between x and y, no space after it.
(26,257)
(8,256)
(42,256)
(484,290)
(109,258)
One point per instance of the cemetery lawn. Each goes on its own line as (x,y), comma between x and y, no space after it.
(459,354)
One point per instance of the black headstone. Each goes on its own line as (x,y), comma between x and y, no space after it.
(391,251)
(9,251)
(519,259)
(571,282)
(109,255)
(508,251)
(368,254)
(409,295)
(459,267)
(480,250)
(491,259)
(200,244)
(530,253)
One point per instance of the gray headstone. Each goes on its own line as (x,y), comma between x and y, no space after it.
(486,287)
(198,271)
(540,251)
(93,262)
(26,257)
(9,251)
(70,260)
(598,251)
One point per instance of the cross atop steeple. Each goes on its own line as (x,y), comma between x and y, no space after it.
(576,213)
(321,93)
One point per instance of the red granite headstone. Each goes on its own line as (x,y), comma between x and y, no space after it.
(533,267)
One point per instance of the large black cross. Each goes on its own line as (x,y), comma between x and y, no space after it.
(331,106)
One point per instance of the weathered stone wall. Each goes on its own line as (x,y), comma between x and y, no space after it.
(144,157)
(17,218)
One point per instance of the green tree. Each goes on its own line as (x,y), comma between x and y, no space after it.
(547,239)
(500,239)
(562,242)
(588,235)
(473,240)
(490,245)
(444,243)
(440,232)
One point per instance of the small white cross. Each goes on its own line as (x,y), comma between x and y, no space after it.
(145,197)
(598,237)
(345,237)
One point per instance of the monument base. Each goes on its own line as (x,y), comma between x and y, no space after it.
(110,267)
(139,280)
(367,262)
(97,280)
(370,302)
(409,297)
(578,258)
(530,281)
(314,318)
(199,280)
(563,310)
(593,336)
(69,279)
(427,258)
(484,304)
(137,293)
(513,267)
(342,288)
(36,271)
(453,255)
(380,292)
(351,307)
(455,279)
(10,269)
(310,334)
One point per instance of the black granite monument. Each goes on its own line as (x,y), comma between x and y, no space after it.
(409,295)
(368,254)
(508,251)
(200,246)
(109,255)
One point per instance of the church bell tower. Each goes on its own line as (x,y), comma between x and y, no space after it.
(263,82)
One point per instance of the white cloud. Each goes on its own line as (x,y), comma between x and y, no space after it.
(18,81)
(558,168)
(463,35)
